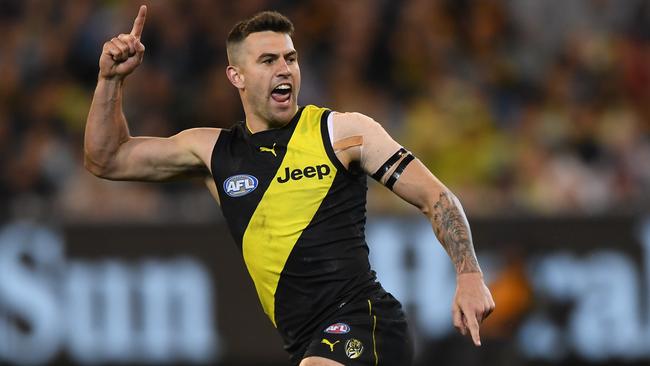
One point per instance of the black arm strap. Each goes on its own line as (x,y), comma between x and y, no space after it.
(400,168)
(388,164)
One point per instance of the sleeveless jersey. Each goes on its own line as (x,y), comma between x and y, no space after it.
(298,216)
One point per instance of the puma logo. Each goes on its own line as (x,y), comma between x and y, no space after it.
(267,149)
(325,341)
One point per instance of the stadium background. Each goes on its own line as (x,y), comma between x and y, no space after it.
(536,113)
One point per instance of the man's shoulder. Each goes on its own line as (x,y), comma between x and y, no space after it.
(352,120)
(339,116)
(200,134)
(199,140)
(238,128)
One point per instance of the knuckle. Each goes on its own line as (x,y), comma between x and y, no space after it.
(470,308)
(126,37)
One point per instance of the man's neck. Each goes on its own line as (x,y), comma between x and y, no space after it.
(255,123)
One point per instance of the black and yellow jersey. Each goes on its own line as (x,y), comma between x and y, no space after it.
(298,216)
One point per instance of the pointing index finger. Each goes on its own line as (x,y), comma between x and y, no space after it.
(138,24)
(472,325)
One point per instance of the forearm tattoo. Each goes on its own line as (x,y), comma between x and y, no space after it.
(452,229)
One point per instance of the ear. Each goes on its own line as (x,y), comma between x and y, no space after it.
(235,77)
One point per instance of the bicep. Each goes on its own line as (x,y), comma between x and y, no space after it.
(186,154)
(376,144)
(385,159)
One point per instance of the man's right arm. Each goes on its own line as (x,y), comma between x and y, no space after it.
(110,151)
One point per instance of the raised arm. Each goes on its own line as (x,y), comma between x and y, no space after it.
(380,156)
(110,151)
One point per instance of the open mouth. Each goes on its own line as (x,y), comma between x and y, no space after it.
(281,93)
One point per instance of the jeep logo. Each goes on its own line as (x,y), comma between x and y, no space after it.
(319,171)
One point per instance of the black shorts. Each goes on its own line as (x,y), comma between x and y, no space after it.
(368,332)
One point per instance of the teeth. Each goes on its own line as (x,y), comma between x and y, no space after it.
(283,87)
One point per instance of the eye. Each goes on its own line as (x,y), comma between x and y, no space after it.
(267,61)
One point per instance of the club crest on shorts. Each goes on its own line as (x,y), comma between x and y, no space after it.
(353,348)
(239,185)
(338,328)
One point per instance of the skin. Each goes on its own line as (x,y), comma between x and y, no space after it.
(261,62)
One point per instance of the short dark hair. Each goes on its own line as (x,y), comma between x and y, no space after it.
(260,22)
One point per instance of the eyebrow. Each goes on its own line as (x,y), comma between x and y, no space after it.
(275,55)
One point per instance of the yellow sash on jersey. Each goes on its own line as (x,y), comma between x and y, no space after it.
(288,206)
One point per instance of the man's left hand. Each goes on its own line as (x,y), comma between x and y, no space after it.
(472,304)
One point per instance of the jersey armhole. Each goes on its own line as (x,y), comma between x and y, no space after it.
(224,134)
(327,133)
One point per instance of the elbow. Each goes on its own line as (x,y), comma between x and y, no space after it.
(95,168)
(425,209)
(426,205)
(429,210)
(102,162)
(434,201)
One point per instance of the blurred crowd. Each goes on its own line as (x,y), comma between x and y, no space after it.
(519,106)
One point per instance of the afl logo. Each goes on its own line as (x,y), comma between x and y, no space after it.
(338,328)
(239,185)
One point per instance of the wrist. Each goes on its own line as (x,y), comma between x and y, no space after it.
(116,80)
(476,274)
(109,89)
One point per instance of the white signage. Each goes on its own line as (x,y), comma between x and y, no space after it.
(108,311)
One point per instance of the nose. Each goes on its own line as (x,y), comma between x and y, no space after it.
(283,68)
